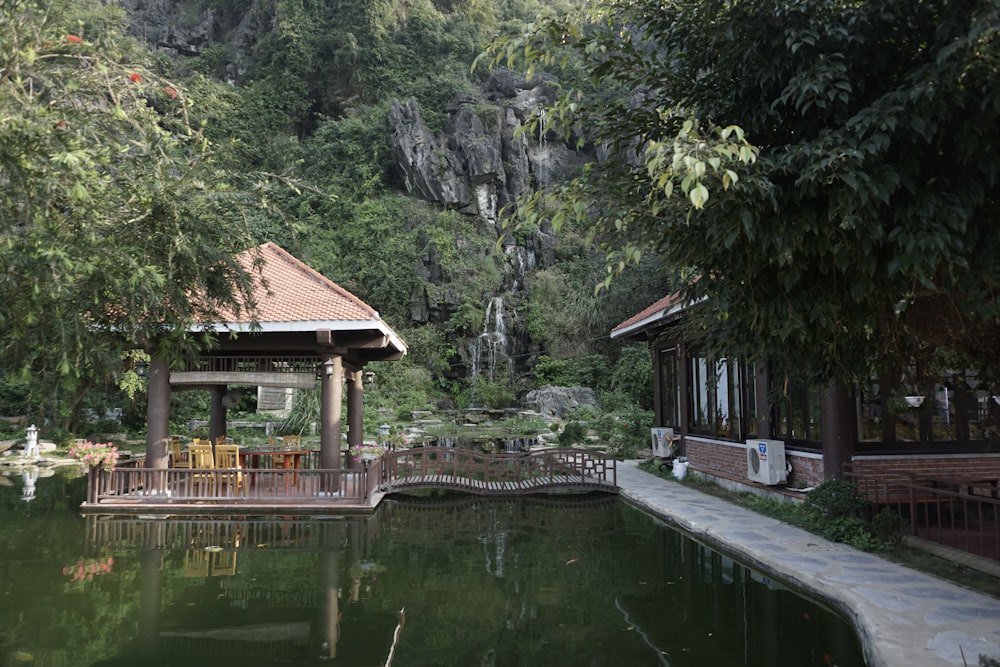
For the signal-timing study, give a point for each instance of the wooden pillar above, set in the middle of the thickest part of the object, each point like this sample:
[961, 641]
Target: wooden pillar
[762, 397]
[158, 414]
[329, 585]
[684, 379]
[659, 419]
[150, 600]
[840, 431]
[355, 413]
[331, 394]
[217, 414]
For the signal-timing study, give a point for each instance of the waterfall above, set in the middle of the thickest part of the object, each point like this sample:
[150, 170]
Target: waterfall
[492, 344]
[543, 148]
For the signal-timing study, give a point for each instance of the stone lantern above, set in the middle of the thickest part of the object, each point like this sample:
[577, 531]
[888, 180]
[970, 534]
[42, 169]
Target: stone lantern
[31, 441]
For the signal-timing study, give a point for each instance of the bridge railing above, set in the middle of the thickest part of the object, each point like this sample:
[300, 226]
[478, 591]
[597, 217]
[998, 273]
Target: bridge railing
[446, 467]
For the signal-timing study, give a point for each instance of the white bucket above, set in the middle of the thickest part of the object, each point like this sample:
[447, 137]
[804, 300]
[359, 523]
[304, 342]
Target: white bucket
[680, 468]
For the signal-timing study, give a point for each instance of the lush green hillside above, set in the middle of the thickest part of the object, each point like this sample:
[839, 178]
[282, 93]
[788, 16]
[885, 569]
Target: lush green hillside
[293, 99]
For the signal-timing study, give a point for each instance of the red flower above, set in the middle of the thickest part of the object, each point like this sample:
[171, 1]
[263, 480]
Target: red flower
[171, 92]
[73, 39]
[135, 77]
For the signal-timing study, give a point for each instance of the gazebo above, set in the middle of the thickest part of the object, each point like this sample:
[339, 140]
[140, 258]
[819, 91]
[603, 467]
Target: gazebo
[306, 329]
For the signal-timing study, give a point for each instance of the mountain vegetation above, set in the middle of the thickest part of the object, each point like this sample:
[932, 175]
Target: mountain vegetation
[172, 134]
[822, 172]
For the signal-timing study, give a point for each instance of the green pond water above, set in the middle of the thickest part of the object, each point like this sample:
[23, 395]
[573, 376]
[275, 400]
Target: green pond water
[444, 580]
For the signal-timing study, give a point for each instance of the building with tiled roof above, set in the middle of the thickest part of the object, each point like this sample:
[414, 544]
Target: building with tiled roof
[752, 421]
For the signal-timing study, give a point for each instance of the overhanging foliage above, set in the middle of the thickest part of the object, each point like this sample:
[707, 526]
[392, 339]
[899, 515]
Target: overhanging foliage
[112, 210]
[865, 237]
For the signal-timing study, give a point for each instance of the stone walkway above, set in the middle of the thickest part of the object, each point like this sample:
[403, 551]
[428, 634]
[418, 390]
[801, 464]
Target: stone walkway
[903, 617]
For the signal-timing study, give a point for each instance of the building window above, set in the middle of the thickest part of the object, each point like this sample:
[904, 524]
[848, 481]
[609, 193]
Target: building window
[955, 408]
[702, 381]
[670, 389]
[721, 396]
[797, 411]
[871, 412]
[749, 390]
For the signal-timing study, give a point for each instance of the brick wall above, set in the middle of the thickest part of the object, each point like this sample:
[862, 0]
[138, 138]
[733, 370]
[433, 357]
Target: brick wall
[729, 459]
[807, 469]
[937, 466]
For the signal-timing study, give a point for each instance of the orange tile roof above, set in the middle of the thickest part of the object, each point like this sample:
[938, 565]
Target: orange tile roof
[294, 292]
[292, 296]
[669, 304]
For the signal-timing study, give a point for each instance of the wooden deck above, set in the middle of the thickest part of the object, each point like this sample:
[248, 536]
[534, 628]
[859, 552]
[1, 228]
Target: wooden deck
[134, 489]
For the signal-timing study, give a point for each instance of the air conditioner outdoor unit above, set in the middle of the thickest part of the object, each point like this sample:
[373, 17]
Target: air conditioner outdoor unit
[663, 439]
[766, 461]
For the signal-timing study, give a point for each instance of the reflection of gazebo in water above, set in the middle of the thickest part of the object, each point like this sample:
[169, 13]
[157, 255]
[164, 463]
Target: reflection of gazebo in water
[306, 325]
[243, 619]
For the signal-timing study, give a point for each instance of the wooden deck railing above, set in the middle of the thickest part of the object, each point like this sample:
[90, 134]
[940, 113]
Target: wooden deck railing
[138, 486]
[959, 513]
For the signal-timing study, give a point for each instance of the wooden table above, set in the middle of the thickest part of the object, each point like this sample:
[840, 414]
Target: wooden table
[291, 459]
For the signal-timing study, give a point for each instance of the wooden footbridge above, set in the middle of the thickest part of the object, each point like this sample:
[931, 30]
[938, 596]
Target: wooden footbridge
[543, 471]
[309, 489]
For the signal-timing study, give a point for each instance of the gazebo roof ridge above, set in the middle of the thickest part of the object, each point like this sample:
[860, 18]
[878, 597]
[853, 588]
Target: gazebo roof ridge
[293, 297]
[310, 273]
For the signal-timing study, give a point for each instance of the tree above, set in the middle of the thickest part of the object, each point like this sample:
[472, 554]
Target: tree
[117, 228]
[864, 237]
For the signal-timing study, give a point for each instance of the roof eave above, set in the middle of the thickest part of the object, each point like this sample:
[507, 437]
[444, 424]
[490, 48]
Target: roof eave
[303, 326]
[659, 317]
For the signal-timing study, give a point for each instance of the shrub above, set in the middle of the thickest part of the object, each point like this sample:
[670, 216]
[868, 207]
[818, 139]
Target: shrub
[494, 394]
[836, 498]
[833, 509]
[624, 431]
[573, 433]
[889, 526]
[522, 425]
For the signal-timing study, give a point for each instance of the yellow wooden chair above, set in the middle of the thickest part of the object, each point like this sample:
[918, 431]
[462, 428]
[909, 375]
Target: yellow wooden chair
[196, 563]
[178, 456]
[224, 563]
[227, 458]
[288, 442]
[200, 458]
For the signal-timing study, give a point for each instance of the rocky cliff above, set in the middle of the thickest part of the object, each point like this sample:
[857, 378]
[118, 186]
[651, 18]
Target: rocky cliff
[188, 28]
[482, 159]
